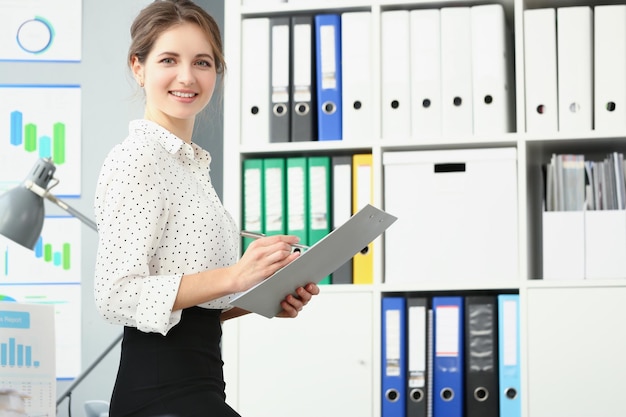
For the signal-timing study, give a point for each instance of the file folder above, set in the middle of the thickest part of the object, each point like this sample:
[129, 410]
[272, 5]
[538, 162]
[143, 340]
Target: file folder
[279, 79]
[356, 65]
[425, 73]
[491, 70]
[319, 200]
[574, 31]
[448, 377]
[456, 71]
[303, 122]
[509, 373]
[396, 76]
[362, 194]
[253, 206]
[255, 88]
[321, 259]
[274, 196]
[481, 356]
[417, 357]
[329, 76]
[540, 70]
[341, 207]
[393, 357]
[609, 67]
[297, 197]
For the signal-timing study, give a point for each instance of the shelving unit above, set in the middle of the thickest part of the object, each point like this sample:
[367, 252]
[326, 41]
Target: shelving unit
[573, 333]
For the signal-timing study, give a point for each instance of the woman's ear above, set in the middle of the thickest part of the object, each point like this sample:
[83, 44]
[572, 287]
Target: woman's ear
[137, 69]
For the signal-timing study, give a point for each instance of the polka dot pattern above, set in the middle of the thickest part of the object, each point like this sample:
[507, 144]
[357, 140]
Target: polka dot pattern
[158, 218]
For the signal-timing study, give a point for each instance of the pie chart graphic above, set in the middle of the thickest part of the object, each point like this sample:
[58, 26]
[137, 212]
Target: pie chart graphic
[6, 298]
[35, 35]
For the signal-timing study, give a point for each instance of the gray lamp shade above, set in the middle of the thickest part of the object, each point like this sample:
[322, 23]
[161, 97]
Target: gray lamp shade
[22, 211]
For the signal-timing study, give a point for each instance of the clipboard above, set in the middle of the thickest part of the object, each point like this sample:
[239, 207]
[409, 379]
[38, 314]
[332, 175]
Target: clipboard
[320, 260]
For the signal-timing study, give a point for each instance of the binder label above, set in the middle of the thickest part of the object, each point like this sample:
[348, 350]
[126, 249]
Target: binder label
[510, 333]
[447, 330]
[252, 179]
[328, 64]
[392, 340]
[319, 214]
[296, 197]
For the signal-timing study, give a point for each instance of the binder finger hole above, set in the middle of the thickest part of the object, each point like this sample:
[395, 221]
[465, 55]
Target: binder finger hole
[365, 250]
[302, 109]
[610, 106]
[395, 104]
[279, 109]
[447, 394]
[357, 105]
[574, 107]
[254, 110]
[488, 99]
[511, 393]
[416, 395]
[329, 108]
[426, 103]
[541, 109]
[481, 394]
[392, 395]
[457, 101]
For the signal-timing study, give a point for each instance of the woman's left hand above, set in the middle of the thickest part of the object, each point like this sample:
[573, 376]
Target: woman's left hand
[292, 305]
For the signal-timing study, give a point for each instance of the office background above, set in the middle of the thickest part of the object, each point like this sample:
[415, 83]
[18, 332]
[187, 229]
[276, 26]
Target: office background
[110, 99]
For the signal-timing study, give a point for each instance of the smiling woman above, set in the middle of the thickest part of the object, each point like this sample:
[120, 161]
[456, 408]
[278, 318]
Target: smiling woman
[168, 259]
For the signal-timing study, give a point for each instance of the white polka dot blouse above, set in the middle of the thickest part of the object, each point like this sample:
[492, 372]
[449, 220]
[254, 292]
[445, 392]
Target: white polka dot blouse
[158, 218]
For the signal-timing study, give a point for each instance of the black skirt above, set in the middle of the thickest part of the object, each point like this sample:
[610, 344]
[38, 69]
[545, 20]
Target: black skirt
[178, 375]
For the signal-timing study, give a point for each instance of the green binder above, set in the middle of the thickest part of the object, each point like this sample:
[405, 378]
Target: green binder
[298, 198]
[274, 191]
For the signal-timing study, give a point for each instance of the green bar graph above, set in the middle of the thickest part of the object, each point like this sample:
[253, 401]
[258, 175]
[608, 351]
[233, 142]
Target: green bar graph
[47, 252]
[58, 151]
[66, 256]
[30, 137]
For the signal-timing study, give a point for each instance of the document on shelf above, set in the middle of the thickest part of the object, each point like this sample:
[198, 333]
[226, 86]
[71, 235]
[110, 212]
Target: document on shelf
[320, 260]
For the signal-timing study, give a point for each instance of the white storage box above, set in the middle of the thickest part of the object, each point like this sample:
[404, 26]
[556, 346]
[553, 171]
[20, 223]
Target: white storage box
[457, 215]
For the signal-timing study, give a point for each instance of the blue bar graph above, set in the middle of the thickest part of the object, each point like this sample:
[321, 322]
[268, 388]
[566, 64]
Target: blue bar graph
[16, 128]
[14, 354]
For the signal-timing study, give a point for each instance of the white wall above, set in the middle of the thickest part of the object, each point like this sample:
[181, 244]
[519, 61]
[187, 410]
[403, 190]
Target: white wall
[109, 101]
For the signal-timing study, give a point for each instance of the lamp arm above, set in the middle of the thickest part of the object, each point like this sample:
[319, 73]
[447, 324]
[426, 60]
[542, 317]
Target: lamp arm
[43, 193]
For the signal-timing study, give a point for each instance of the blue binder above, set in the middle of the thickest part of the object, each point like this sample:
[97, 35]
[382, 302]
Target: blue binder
[328, 76]
[448, 365]
[393, 357]
[509, 355]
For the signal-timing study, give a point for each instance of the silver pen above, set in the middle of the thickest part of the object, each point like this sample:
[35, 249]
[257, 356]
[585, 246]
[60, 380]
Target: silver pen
[254, 235]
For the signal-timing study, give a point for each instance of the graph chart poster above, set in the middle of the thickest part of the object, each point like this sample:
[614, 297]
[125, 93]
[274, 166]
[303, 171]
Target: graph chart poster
[40, 121]
[56, 258]
[40, 30]
[67, 319]
[27, 354]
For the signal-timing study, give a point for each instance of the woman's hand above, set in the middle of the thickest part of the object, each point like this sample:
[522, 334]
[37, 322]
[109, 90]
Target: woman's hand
[263, 257]
[292, 305]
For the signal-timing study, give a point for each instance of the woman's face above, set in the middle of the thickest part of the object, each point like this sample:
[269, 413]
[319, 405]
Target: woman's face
[178, 75]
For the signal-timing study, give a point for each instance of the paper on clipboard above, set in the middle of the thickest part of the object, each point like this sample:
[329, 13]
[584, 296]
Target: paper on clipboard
[317, 262]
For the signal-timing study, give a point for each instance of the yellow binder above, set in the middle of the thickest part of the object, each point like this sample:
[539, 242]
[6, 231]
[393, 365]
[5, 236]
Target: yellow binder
[362, 194]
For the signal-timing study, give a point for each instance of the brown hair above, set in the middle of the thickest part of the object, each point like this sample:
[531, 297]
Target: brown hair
[161, 15]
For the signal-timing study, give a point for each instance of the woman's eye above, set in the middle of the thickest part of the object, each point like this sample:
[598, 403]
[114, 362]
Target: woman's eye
[204, 63]
[167, 61]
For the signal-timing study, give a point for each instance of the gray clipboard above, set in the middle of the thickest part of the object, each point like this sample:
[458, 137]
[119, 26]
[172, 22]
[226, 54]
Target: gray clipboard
[320, 260]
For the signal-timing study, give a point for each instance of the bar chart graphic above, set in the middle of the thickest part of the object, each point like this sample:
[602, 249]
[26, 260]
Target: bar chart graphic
[40, 121]
[13, 354]
[35, 30]
[56, 257]
[27, 354]
[65, 298]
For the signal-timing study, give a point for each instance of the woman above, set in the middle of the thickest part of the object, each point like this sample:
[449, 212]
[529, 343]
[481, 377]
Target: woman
[167, 262]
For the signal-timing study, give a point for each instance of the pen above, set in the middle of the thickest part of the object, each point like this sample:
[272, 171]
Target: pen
[254, 235]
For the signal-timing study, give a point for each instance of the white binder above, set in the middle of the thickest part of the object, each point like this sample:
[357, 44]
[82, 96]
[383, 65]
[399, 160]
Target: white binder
[540, 71]
[574, 31]
[491, 64]
[610, 68]
[456, 71]
[425, 73]
[255, 90]
[356, 64]
[396, 78]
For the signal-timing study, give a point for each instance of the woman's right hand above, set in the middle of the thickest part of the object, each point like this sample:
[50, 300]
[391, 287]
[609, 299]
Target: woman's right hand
[263, 257]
